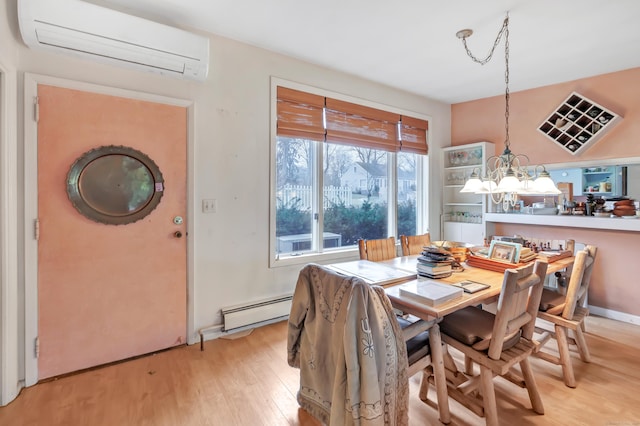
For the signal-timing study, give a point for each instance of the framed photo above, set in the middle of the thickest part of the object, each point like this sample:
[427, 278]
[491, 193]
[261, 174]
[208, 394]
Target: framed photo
[505, 251]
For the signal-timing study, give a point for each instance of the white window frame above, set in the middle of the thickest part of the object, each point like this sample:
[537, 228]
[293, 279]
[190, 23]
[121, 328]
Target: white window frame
[347, 253]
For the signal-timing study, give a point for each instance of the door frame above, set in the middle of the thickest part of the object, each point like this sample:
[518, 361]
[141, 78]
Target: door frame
[31, 82]
[10, 300]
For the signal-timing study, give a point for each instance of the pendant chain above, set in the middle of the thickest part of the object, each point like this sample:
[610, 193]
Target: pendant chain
[504, 30]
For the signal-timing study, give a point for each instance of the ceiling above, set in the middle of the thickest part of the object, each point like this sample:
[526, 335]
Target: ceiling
[412, 45]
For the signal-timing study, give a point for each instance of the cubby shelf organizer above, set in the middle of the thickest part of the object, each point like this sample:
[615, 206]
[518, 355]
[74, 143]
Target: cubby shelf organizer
[577, 123]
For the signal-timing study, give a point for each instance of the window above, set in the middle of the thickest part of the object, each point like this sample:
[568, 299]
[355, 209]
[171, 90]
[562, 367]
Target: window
[343, 171]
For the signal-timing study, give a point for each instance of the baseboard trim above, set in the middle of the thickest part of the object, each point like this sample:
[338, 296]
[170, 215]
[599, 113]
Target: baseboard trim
[216, 331]
[614, 315]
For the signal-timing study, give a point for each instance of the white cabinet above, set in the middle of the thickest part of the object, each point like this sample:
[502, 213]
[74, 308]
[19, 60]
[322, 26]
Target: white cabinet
[605, 181]
[464, 232]
[601, 181]
[463, 213]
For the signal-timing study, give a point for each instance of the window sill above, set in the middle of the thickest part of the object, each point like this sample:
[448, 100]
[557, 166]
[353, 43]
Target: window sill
[326, 257]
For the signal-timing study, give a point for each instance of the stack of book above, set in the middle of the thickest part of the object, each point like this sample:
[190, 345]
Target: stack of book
[527, 255]
[552, 256]
[430, 293]
[435, 262]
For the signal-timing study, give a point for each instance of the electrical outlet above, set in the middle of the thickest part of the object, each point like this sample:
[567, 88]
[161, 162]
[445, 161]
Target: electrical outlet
[209, 205]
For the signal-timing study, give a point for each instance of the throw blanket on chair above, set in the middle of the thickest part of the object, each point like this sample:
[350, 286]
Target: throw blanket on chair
[346, 341]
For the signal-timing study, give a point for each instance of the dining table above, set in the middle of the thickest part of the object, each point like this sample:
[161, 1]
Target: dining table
[435, 314]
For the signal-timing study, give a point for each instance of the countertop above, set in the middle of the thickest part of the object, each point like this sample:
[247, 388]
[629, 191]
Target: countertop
[588, 222]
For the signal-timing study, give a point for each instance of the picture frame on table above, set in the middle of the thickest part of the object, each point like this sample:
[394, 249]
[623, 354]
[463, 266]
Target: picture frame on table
[505, 251]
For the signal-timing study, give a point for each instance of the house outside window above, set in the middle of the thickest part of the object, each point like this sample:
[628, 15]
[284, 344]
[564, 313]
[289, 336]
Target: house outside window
[331, 188]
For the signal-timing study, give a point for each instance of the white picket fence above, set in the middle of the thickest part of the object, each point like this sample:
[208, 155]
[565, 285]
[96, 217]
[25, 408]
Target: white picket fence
[332, 195]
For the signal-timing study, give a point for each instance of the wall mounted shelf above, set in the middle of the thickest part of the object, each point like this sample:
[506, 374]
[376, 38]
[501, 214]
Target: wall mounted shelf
[577, 123]
[462, 218]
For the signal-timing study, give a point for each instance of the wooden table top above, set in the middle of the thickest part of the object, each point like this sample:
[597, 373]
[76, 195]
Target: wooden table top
[394, 272]
[492, 278]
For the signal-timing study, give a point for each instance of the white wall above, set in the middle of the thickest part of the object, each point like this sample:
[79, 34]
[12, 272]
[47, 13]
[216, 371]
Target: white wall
[231, 151]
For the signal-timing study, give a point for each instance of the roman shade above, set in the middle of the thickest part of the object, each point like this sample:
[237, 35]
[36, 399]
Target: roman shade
[354, 124]
[413, 135]
[300, 114]
[314, 117]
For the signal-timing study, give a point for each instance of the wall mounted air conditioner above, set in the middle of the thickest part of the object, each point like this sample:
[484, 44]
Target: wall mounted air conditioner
[93, 32]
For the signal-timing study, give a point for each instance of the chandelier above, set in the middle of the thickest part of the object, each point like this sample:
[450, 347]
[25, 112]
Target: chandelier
[508, 175]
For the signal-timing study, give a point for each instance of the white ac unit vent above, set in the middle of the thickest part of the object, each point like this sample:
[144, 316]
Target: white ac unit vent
[90, 31]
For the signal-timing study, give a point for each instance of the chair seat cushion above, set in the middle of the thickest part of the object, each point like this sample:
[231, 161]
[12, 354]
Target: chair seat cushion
[550, 299]
[471, 325]
[418, 346]
[468, 325]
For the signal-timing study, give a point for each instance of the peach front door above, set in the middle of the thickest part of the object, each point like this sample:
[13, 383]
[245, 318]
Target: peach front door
[108, 292]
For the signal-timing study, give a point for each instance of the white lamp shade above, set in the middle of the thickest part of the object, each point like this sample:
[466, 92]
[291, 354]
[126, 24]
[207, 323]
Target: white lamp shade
[545, 185]
[472, 185]
[527, 187]
[509, 183]
[488, 186]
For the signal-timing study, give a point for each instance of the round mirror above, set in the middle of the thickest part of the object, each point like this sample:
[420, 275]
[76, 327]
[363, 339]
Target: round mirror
[114, 185]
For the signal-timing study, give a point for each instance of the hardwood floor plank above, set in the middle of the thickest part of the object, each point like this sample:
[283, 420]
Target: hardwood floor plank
[247, 381]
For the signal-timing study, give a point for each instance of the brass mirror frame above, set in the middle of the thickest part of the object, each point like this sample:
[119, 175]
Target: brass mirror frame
[74, 184]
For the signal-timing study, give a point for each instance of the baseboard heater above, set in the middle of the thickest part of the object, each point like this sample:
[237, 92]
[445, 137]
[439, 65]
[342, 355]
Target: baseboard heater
[253, 313]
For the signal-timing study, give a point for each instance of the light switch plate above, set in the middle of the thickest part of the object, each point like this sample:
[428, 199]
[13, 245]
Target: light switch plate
[209, 205]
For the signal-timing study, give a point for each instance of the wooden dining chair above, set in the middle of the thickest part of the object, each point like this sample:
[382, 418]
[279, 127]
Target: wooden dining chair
[377, 250]
[567, 313]
[414, 244]
[351, 347]
[496, 342]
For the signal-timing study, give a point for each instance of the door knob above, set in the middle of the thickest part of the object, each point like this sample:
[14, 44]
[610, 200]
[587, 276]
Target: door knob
[177, 234]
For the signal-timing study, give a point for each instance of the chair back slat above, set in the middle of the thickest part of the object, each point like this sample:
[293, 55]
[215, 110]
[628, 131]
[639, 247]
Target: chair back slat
[377, 250]
[579, 280]
[517, 305]
[567, 315]
[414, 244]
[517, 323]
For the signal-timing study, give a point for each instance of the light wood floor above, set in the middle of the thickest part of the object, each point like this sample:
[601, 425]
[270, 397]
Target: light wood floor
[248, 382]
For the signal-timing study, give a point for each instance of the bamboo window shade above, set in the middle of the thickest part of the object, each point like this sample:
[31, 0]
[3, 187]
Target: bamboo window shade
[305, 115]
[300, 114]
[359, 125]
[413, 135]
